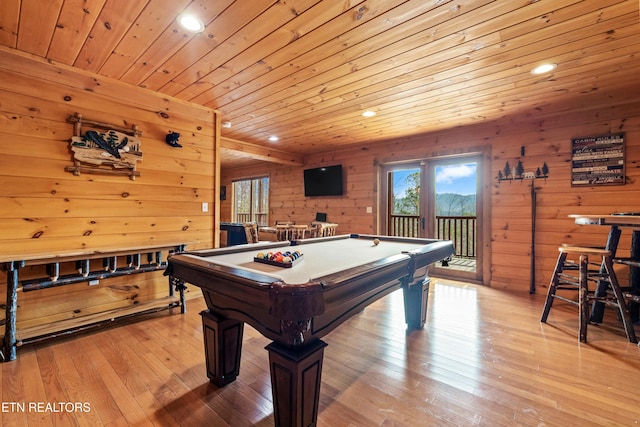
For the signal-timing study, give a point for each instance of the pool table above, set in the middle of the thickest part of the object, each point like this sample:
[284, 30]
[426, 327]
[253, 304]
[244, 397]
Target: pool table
[335, 278]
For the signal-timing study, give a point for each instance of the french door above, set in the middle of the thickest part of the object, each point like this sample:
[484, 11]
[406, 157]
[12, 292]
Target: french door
[438, 198]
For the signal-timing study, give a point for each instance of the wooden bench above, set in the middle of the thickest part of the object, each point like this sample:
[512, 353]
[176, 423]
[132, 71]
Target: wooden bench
[138, 260]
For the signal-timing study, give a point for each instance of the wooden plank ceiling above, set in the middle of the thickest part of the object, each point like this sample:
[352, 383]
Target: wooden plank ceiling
[305, 70]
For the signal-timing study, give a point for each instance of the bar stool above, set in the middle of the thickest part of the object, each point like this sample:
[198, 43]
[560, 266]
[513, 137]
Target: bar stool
[563, 279]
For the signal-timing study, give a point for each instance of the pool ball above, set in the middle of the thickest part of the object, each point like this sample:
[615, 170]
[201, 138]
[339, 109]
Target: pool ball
[376, 241]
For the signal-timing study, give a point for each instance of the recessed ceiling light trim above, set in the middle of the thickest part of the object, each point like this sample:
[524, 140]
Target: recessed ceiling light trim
[273, 138]
[191, 23]
[368, 113]
[544, 68]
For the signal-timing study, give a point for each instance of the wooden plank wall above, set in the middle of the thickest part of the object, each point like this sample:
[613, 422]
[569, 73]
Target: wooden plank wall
[545, 139]
[47, 211]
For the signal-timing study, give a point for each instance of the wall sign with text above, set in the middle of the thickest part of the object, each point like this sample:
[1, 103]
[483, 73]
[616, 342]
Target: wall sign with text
[597, 160]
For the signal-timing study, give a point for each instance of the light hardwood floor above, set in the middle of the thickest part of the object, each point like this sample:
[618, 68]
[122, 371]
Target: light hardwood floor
[482, 359]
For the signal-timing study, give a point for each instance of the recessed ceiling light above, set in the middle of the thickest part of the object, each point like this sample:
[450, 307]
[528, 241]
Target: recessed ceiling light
[226, 125]
[191, 23]
[273, 138]
[544, 68]
[368, 113]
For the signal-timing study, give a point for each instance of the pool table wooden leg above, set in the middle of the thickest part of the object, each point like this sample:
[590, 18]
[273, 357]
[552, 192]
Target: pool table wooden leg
[416, 297]
[222, 347]
[295, 383]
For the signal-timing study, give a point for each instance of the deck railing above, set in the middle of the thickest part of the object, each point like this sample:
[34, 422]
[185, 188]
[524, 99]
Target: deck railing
[404, 225]
[459, 229]
[260, 218]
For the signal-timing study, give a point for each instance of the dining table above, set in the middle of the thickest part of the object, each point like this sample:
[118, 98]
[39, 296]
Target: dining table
[617, 222]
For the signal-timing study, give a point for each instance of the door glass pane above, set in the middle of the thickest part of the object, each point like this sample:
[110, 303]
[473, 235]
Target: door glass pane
[455, 211]
[242, 201]
[260, 200]
[404, 197]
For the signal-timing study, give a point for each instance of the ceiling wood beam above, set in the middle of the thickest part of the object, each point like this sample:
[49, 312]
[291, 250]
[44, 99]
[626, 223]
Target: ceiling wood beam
[261, 153]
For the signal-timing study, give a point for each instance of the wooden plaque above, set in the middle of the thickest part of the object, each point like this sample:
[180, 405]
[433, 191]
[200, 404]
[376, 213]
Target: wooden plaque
[598, 160]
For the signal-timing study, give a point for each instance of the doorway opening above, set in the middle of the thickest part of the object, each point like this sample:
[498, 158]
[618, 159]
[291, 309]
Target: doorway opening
[439, 199]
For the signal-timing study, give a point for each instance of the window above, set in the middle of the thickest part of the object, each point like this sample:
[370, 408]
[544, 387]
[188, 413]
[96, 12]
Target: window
[251, 200]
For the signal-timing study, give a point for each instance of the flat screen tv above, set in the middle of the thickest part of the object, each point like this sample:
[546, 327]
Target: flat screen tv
[324, 181]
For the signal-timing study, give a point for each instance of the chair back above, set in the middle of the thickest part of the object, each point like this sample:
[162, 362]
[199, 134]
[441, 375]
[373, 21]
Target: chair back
[251, 231]
[283, 232]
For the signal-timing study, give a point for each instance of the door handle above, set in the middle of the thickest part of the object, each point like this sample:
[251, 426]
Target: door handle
[422, 223]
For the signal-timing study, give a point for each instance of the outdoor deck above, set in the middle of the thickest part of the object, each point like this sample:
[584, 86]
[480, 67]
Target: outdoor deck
[463, 263]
